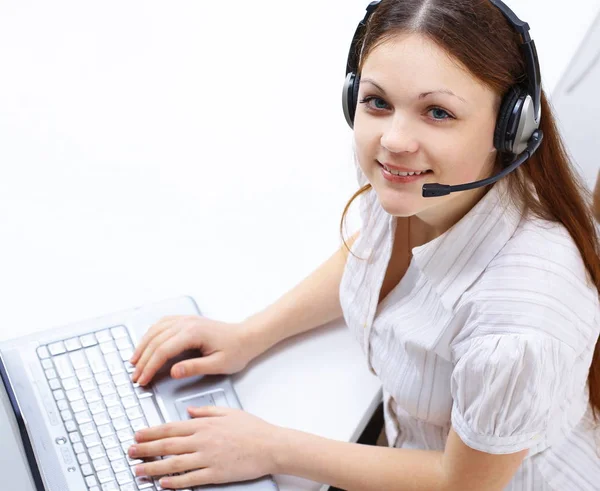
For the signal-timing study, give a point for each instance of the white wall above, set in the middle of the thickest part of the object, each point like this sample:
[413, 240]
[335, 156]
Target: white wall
[150, 149]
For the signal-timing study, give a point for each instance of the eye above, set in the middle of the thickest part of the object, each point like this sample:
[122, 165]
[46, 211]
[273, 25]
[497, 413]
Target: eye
[440, 115]
[379, 103]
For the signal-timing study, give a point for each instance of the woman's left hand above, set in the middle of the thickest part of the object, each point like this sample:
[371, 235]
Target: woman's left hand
[218, 445]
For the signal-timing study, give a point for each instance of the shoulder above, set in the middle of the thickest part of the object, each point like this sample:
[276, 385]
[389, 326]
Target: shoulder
[537, 284]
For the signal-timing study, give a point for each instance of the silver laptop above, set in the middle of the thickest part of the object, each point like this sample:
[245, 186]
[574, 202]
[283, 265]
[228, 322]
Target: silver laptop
[68, 408]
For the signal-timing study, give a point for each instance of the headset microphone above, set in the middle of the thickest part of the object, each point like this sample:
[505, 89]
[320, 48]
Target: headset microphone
[434, 190]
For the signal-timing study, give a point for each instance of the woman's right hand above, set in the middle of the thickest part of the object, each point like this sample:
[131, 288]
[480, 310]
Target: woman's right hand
[224, 348]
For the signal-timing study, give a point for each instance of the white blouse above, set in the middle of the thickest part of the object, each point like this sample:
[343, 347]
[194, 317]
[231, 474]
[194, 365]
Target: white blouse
[491, 332]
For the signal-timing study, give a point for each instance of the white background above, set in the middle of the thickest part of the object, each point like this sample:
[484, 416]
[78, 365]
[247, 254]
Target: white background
[150, 149]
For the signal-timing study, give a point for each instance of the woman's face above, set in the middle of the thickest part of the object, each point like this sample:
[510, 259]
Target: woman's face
[419, 111]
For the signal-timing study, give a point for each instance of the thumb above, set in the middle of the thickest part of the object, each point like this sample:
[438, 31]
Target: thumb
[205, 365]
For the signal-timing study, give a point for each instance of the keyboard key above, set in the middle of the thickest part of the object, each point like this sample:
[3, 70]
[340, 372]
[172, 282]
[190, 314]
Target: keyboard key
[114, 454]
[78, 360]
[50, 374]
[91, 480]
[70, 425]
[93, 396]
[119, 465]
[87, 429]
[121, 379]
[86, 470]
[151, 412]
[108, 347]
[130, 487]
[96, 488]
[123, 344]
[74, 395]
[63, 405]
[74, 437]
[59, 395]
[129, 368]
[107, 389]
[126, 355]
[119, 332]
[134, 412]
[88, 384]
[142, 392]
[43, 353]
[110, 442]
[95, 358]
[125, 435]
[66, 415]
[129, 401]
[78, 448]
[120, 423]
[54, 384]
[78, 406]
[96, 452]
[91, 440]
[47, 364]
[124, 477]
[105, 430]
[100, 464]
[82, 458]
[101, 418]
[125, 390]
[110, 486]
[96, 407]
[70, 383]
[138, 424]
[88, 340]
[83, 417]
[144, 482]
[105, 476]
[115, 412]
[112, 400]
[72, 344]
[103, 336]
[84, 373]
[56, 348]
[103, 378]
[63, 366]
[114, 363]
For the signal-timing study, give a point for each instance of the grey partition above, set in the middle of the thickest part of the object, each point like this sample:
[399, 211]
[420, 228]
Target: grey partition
[577, 104]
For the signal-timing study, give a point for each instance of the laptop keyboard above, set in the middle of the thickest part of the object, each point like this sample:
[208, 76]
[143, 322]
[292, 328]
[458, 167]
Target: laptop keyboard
[90, 378]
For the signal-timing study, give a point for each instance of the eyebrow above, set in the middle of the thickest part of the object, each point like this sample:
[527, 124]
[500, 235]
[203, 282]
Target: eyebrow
[421, 96]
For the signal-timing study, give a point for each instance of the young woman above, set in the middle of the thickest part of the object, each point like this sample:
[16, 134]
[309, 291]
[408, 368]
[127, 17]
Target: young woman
[478, 310]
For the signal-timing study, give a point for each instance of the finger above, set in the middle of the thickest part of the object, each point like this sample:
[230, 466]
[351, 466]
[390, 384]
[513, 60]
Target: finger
[158, 448]
[205, 365]
[149, 352]
[150, 334]
[167, 430]
[190, 479]
[170, 465]
[208, 411]
[161, 350]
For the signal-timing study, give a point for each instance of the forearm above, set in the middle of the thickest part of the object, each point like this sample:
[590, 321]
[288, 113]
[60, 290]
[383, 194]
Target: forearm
[312, 303]
[356, 467]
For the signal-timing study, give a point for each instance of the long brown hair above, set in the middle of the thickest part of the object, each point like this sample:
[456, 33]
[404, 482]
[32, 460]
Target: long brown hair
[477, 34]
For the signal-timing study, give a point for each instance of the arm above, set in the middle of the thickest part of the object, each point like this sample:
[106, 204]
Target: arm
[356, 467]
[312, 303]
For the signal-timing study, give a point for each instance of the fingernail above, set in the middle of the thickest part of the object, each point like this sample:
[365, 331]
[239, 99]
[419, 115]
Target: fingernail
[179, 371]
[132, 450]
[139, 470]
[165, 482]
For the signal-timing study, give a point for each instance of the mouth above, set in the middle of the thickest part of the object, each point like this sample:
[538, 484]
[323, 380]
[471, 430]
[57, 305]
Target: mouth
[407, 173]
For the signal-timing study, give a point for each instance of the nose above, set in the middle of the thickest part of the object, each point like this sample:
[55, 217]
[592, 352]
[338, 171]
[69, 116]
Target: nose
[398, 136]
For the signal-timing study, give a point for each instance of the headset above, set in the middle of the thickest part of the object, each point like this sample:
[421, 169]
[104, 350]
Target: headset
[517, 130]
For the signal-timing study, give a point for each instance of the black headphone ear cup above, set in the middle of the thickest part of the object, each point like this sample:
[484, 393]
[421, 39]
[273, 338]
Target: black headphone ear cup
[349, 98]
[510, 100]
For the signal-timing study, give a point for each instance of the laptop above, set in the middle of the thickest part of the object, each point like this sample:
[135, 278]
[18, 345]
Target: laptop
[68, 408]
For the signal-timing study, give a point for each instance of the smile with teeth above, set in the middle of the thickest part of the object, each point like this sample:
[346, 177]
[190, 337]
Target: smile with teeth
[397, 173]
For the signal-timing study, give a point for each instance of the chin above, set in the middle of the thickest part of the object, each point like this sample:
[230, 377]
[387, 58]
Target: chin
[399, 206]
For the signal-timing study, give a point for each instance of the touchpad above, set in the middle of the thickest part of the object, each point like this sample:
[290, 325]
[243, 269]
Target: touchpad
[214, 398]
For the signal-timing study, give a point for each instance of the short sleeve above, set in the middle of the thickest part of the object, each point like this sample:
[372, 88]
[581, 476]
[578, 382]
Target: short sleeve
[508, 390]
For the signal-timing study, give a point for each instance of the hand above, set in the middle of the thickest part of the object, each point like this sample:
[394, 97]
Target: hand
[225, 348]
[219, 445]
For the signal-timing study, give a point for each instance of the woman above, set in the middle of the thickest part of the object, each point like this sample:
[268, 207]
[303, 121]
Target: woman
[478, 310]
